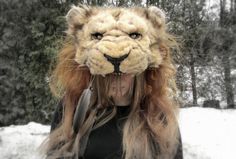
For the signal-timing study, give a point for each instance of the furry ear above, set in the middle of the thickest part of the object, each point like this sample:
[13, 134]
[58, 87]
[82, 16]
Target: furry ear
[156, 15]
[77, 17]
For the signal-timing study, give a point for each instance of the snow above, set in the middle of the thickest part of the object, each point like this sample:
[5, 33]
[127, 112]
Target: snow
[207, 133]
[21, 142]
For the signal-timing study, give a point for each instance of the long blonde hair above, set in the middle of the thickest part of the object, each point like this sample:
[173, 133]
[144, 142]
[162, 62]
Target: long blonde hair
[151, 129]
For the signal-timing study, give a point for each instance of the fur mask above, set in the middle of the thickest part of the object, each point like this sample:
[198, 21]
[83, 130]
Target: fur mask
[118, 40]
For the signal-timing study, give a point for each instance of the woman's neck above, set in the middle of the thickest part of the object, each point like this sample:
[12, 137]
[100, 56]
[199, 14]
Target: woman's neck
[122, 101]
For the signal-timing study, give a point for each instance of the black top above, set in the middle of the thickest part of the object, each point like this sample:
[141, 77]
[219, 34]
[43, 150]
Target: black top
[105, 142]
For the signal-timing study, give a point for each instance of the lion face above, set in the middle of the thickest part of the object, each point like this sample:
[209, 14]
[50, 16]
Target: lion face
[117, 40]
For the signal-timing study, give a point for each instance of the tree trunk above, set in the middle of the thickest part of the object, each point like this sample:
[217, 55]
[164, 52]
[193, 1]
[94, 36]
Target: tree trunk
[227, 80]
[231, 6]
[222, 13]
[235, 5]
[226, 59]
[193, 79]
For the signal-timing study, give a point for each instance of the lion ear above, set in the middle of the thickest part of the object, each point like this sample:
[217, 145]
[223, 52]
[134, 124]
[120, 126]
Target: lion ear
[156, 15]
[77, 17]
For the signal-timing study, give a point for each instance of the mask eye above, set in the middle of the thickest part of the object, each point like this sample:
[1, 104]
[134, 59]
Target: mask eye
[135, 35]
[96, 36]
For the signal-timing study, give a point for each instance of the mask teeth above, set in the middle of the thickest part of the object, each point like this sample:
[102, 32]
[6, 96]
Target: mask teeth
[119, 74]
[151, 68]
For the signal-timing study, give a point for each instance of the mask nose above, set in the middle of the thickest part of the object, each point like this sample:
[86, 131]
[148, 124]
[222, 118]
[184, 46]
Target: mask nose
[116, 61]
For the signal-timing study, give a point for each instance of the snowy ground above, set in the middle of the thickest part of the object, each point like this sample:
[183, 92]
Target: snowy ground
[206, 133]
[21, 142]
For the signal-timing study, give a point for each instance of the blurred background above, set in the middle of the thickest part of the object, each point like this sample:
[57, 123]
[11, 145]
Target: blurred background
[32, 32]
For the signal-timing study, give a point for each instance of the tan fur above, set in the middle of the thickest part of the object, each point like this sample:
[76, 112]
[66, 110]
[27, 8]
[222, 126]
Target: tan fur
[116, 24]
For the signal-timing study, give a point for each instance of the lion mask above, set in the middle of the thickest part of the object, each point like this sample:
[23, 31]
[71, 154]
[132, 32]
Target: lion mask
[117, 40]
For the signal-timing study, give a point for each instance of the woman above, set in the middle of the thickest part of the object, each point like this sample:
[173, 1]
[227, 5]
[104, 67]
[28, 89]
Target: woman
[124, 110]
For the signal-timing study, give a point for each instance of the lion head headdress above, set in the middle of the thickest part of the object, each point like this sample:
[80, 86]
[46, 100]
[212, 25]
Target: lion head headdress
[105, 41]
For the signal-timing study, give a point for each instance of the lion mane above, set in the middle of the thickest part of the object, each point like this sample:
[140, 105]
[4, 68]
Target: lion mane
[95, 36]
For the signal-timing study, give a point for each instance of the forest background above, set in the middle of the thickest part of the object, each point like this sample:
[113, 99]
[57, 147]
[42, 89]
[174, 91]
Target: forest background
[32, 33]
